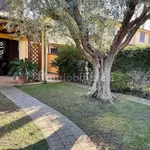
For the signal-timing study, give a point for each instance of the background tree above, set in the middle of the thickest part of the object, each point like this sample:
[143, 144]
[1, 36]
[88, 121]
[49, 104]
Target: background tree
[91, 24]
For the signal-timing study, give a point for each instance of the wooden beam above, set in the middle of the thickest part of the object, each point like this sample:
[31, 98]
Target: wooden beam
[1, 28]
[11, 37]
[8, 36]
[3, 20]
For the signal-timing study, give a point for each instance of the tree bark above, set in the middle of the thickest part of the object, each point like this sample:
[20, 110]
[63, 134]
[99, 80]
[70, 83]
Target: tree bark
[101, 84]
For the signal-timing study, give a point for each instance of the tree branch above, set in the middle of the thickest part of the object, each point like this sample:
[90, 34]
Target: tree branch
[88, 57]
[145, 11]
[124, 28]
[133, 31]
[84, 33]
[79, 35]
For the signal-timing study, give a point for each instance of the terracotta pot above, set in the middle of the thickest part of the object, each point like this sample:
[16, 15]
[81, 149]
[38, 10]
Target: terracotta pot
[22, 80]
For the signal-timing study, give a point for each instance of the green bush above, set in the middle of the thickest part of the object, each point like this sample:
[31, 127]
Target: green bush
[133, 58]
[131, 71]
[23, 68]
[120, 81]
[127, 83]
[70, 62]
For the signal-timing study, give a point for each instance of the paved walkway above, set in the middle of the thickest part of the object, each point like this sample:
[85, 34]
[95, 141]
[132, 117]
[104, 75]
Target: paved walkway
[133, 98]
[60, 132]
[119, 95]
[7, 80]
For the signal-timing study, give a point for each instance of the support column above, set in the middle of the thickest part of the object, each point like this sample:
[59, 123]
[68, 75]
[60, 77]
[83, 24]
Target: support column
[44, 64]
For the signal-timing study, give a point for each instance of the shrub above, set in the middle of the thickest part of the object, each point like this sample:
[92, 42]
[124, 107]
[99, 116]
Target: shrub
[120, 81]
[139, 79]
[23, 68]
[131, 71]
[71, 63]
[133, 58]
[134, 83]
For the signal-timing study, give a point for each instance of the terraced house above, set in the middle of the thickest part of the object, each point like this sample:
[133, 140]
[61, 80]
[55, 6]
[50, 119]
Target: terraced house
[41, 53]
[14, 46]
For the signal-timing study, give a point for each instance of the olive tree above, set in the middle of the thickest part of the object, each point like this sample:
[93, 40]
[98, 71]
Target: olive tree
[92, 26]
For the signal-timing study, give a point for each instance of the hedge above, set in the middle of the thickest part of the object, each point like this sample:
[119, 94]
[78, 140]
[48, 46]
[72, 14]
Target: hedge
[133, 58]
[131, 71]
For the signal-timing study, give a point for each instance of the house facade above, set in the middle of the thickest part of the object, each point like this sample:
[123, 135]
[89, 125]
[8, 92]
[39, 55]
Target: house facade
[12, 46]
[40, 53]
[142, 37]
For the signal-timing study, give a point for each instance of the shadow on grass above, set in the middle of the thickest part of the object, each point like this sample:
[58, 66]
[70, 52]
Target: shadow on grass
[14, 125]
[56, 136]
[8, 128]
[40, 111]
[40, 145]
[37, 146]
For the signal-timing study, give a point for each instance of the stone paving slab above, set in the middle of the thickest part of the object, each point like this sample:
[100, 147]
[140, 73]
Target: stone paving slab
[59, 131]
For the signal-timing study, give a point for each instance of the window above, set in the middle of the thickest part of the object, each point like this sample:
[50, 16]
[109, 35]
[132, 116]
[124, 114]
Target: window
[142, 37]
[53, 50]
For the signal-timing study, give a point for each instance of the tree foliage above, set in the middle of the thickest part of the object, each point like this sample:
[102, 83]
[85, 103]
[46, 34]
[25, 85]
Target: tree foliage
[92, 26]
[85, 21]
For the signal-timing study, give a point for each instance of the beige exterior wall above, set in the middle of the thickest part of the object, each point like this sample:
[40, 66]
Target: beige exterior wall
[52, 40]
[136, 38]
[23, 49]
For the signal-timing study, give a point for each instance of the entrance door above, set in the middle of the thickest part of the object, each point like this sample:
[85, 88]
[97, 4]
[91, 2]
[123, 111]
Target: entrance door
[8, 52]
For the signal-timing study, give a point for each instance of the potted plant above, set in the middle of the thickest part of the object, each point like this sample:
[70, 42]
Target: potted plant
[23, 69]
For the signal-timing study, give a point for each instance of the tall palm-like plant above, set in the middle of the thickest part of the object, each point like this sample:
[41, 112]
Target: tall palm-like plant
[22, 68]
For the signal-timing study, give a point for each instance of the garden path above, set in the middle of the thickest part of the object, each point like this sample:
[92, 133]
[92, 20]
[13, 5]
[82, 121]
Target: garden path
[59, 131]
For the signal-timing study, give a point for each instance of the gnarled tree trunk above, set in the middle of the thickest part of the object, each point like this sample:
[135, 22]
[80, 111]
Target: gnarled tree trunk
[101, 83]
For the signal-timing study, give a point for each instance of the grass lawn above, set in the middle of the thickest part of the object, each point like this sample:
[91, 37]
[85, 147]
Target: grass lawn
[17, 130]
[123, 126]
